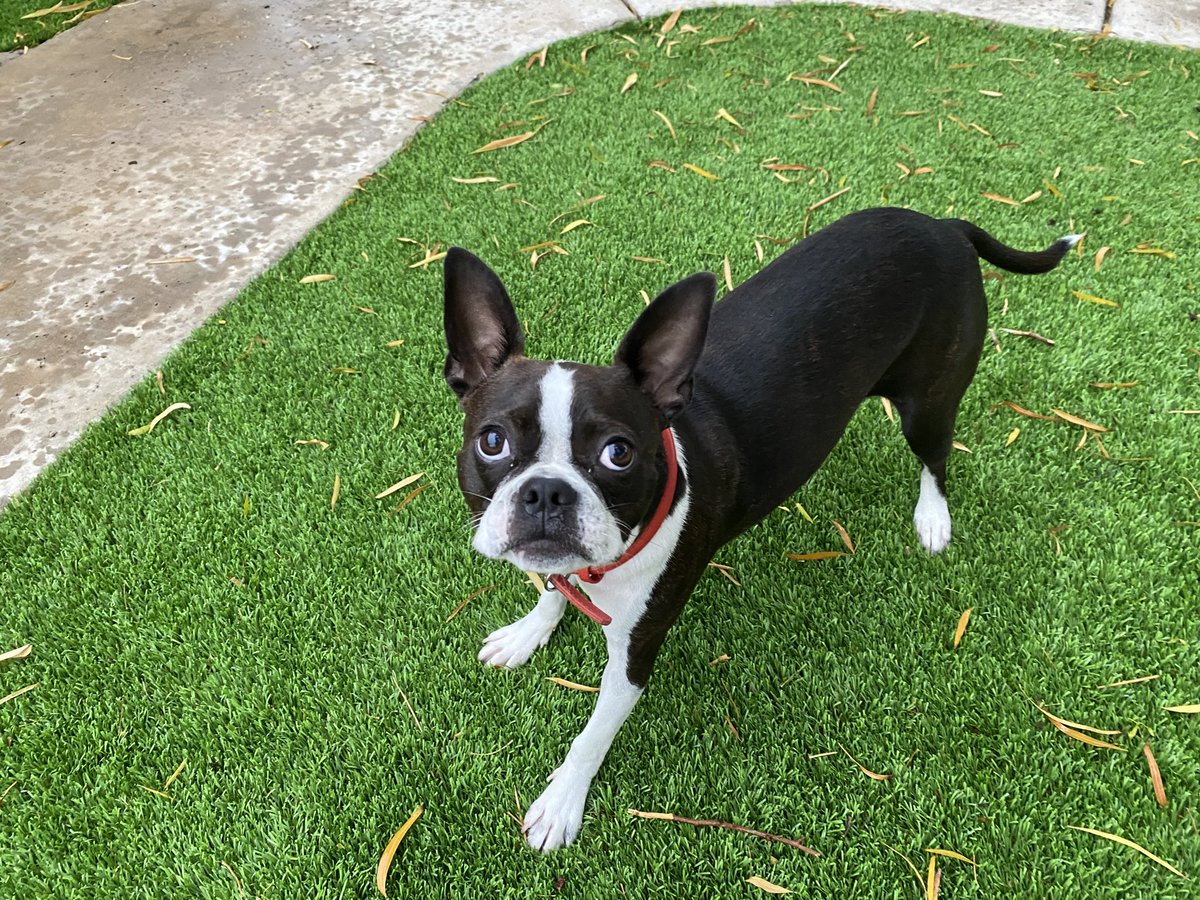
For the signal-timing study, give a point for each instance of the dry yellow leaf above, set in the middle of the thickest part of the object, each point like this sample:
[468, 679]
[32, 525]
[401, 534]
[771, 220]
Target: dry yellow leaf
[1075, 420]
[146, 429]
[843, 534]
[670, 127]
[630, 81]
[887, 409]
[1092, 298]
[18, 653]
[402, 483]
[728, 274]
[816, 82]
[699, 171]
[501, 143]
[317, 279]
[483, 179]
[385, 861]
[820, 554]
[571, 226]
[1160, 791]
[58, 9]
[1000, 198]
[1100, 254]
[1190, 708]
[961, 628]
[572, 685]
[959, 445]
[17, 693]
[1012, 436]
[1128, 843]
[178, 771]
[722, 113]
[670, 21]
[874, 776]
[337, 490]
[951, 854]
[763, 885]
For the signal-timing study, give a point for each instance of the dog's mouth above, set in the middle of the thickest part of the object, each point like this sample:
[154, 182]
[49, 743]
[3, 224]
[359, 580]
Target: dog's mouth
[548, 556]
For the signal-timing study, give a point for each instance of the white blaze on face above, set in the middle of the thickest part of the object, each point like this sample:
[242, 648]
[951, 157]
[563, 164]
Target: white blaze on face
[554, 417]
[596, 528]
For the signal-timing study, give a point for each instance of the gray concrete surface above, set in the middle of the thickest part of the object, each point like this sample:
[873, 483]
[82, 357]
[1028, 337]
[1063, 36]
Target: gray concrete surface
[220, 132]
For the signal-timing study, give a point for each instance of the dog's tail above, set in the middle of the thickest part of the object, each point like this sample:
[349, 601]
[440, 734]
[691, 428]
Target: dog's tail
[1020, 261]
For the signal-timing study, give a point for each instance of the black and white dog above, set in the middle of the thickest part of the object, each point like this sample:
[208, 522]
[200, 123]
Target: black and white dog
[637, 472]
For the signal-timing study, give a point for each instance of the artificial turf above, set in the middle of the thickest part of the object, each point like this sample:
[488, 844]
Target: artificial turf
[193, 595]
[17, 32]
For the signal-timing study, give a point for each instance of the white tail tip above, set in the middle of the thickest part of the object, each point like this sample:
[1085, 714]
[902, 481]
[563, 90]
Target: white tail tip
[1071, 239]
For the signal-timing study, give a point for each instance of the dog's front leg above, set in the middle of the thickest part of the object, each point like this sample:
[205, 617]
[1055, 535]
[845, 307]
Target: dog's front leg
[554, 818]
[512, 645]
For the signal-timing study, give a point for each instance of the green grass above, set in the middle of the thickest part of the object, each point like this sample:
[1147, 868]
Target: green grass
[17, 32]
[191, 595]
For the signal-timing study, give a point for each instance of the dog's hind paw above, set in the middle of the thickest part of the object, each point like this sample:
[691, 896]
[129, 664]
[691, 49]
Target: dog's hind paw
[512, 645]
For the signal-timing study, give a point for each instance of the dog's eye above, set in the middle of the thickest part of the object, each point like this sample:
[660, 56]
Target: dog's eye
[492, 445]
[617, 455]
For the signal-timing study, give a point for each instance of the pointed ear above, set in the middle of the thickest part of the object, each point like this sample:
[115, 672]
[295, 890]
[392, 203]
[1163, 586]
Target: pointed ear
[482, 330]
[662, 347]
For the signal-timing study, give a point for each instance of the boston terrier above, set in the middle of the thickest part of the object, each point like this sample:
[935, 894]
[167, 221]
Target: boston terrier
[624, 480]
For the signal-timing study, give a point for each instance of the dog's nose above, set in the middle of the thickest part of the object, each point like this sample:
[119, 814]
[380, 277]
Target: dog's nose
[547, 496]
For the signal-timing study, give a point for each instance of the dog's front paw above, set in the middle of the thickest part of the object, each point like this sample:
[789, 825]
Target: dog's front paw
[512, 645]
[554, 818]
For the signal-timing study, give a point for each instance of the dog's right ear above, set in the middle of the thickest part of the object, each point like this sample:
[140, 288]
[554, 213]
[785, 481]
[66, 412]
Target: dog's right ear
[482, 330]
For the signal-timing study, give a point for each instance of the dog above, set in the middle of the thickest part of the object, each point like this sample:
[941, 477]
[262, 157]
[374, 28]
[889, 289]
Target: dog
[627, 478]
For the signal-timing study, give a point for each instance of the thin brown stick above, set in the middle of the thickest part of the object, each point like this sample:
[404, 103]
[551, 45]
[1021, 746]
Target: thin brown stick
[729, 826]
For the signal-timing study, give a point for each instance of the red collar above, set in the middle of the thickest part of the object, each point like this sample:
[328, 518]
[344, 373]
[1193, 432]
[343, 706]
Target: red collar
[592, 574]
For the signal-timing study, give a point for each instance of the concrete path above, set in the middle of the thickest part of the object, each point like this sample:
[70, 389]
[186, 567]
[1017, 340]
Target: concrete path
[162, 154]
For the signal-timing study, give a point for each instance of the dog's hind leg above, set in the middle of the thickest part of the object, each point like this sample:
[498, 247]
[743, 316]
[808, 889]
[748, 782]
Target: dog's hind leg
[930, 435]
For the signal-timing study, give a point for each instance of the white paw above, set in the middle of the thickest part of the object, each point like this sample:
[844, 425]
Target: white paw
[933, 526]
[512, 645]
[932, 515]
[554, 818]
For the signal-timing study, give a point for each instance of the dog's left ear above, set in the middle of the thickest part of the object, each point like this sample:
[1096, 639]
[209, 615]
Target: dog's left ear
[482, 330]
[662, 347]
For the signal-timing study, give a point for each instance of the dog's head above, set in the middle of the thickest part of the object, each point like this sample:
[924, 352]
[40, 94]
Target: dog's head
[560, 461]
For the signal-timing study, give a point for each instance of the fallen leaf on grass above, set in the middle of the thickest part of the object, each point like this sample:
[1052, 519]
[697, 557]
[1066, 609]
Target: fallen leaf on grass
[510, 141]
[322, 444]
[408, 498]
[1076, 731]
[699, 171]
[1153, 251]
[156, 793]
[17, 693]
[1100, 254]
[723, 114]
[18, 653]
[471, 596]
[571, 226]
[629, 82]
[1029, 334]
[843, 534]
[871, 102]
[874, 776]
[146, 429]
[815, 82]
[961, 628]
[178, 771]
[572, 685]
[1092, 298]
[1112, 384]
[337, 490]
[959, 445]
[429, 258]
[1012, 436]
[1188, 709]
[385, 861]
[58, 8]
[670, 21]
[402, 483]
[1022, 411]
[1139, 680]
[1000, 198]
[763, 885]
[316, 279]
[1075, 420]
[825, 200]
[1128, 843]
[820, 554]
[951, 854]
[1160, 792]
[483, 179]
[670, 127]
